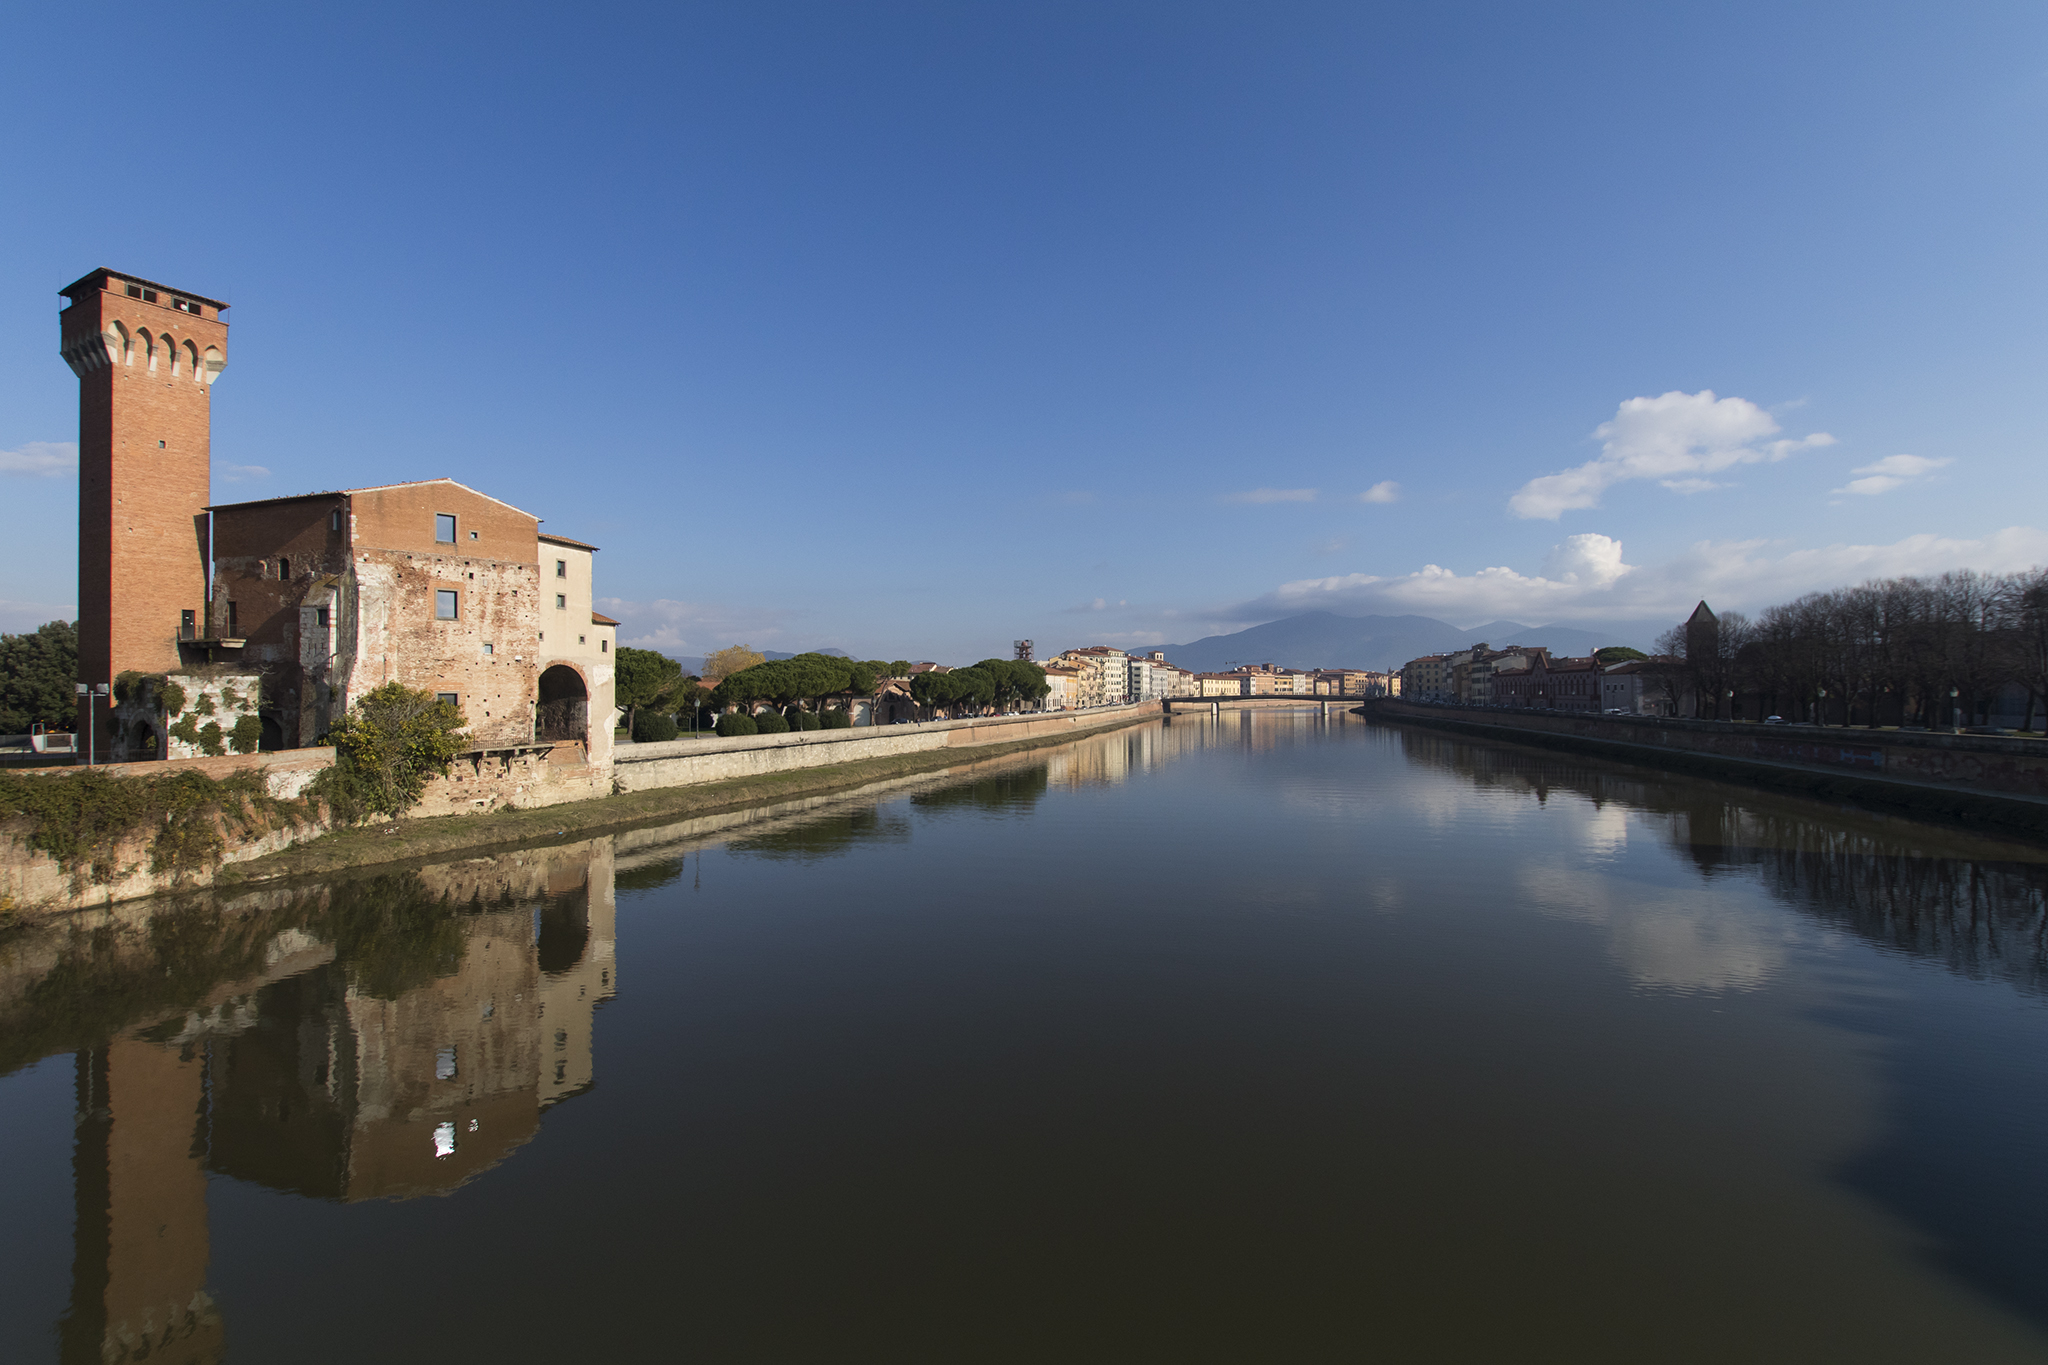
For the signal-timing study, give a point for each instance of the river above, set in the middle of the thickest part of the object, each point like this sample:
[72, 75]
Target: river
[1261, 1038]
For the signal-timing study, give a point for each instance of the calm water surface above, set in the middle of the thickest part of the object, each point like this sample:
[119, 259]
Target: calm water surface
[1267, 1039]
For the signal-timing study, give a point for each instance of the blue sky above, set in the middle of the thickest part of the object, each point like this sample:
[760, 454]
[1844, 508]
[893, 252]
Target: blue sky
[912, 329]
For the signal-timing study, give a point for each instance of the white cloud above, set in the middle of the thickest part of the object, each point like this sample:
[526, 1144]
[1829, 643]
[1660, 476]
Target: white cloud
[1674, 438]
[1265, 495]
[1099, 604]
[693, 627]
[41, 459]
[1386, 490]
[1889, 473]
[243, 473]
[1586, 579]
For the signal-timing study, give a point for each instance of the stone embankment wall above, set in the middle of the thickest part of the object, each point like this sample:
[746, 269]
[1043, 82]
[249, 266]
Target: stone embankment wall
[1983, 777]
[32, 879]
[684, 762]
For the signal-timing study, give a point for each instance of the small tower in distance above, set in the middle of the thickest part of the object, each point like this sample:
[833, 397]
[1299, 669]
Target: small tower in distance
[146, 357]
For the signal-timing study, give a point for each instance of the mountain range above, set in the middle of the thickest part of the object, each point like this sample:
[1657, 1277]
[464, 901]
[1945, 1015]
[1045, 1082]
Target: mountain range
[1322, 639]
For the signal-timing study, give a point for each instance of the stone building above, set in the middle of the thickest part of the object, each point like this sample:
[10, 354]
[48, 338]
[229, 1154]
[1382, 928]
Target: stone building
[290, 608]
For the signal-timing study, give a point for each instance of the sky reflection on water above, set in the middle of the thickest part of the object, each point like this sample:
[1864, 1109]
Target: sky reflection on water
[1267, 1038]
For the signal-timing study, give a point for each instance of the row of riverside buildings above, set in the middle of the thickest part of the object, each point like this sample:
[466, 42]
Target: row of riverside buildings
[271, 617]
[1531, 676]
[1101, 676]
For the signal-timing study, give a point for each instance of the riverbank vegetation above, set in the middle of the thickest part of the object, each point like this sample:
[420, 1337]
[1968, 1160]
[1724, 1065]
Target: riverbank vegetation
[1889, 651]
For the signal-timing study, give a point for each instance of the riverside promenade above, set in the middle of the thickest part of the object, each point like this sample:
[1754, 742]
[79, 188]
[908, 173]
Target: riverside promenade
[1976, 779]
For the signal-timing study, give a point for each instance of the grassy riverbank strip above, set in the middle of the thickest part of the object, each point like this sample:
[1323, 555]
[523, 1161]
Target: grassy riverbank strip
[414, 840]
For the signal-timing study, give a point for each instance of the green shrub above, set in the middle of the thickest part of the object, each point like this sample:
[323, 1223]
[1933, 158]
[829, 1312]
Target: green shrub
[231, 699]
[808, 720]
[173, 698]
[204, 706]
[210, 737]
[186, 730]
[651, 727]
[389, 744]
[838, 718]
[768, 723]
[733, 723]
[247, 736]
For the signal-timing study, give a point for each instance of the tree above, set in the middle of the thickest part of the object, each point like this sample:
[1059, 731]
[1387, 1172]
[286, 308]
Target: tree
[733, 659]
[1618, 654]
[644, 677]
[389, 744]
[37, 671]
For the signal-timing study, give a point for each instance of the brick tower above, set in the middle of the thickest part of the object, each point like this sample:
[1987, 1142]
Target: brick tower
[146, 357]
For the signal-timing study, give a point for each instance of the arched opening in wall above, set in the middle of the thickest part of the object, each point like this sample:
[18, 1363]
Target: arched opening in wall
[272, 737]
[561, 931]
[145, 343]
[191, 360]
[117, 344]
[142, 740]
[564, 710]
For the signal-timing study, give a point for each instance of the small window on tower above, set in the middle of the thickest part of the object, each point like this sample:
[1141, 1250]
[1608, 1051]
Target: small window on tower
[284, 569]
[490, 648]
[561, 602]
[444, 604]
[561, 568]
[233, 634]
[444, 528]
[604, 646]
[325, 619]
[448, 697]
[185, 305]
[334, 520]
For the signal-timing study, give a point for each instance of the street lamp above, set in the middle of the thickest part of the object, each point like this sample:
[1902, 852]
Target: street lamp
[92, 722]
[1955, 710]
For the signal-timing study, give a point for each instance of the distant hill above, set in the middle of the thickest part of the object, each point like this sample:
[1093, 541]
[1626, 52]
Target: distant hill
[1322, 639]
[693, 664]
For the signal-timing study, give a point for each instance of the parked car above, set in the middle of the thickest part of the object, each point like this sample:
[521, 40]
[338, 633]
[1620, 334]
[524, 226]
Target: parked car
[1774, 720]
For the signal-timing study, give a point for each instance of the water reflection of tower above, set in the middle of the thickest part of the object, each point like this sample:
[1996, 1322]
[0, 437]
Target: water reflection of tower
[138, 1279]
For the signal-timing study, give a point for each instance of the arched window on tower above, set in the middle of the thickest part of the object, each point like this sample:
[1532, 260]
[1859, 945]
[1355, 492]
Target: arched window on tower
[118, 352]
[145, 343]
[192, 360]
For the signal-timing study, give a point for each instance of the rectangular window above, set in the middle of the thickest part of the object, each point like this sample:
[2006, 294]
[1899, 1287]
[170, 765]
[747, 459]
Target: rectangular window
[325, 622]
[444, 604]
[136, 291]
[561, 568]
[604, 646]
[444, 529]
[184, 305]
[187, 625]
[334, 520]
[561, 602]
[448, 697]
[232, 633]
[284, 569]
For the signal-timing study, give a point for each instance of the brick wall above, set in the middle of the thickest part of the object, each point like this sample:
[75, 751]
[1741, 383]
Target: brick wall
[145, 369]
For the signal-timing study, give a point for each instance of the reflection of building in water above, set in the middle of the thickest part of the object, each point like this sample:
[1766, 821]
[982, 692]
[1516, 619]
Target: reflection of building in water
[345, 1091]
[139, 1275]
[421, 1054]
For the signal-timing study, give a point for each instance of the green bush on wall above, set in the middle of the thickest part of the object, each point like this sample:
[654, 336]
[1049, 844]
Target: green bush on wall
[768, 723]
[247, 736]
[733, 723]
[808, 720]
[838, 718]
